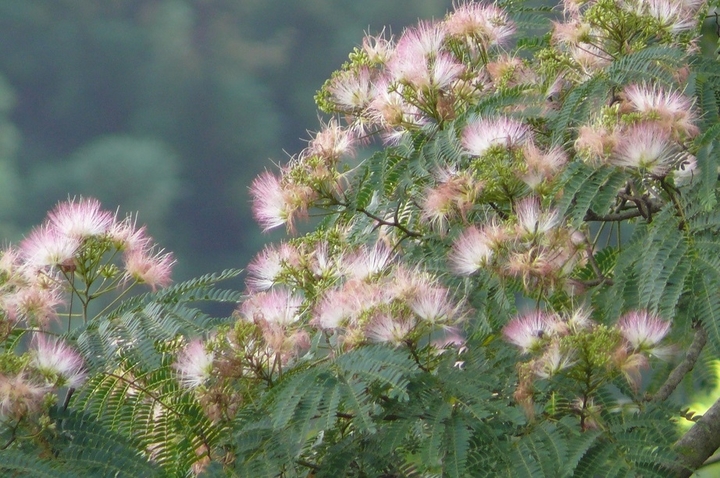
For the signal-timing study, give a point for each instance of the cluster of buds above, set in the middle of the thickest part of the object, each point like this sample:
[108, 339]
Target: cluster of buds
[80, 250]
[575, 347]
[645, 132]
[532, 245]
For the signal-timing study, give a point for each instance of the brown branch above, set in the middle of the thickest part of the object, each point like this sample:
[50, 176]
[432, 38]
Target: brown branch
[652, 207]
[699, 443]
[683, 367]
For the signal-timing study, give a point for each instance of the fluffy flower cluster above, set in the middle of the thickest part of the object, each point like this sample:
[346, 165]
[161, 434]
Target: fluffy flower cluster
[578, 347]
[360, 295]
[532, 245]
[647, 135]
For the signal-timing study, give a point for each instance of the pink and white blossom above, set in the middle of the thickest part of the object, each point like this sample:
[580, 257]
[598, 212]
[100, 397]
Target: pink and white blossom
[47, 247]
[80, 219]
[647, 147]
[384, 328]
[277, 306]
[532, 220]
[265, 269]
[194, 364]
[642, 329]
[480, 22]
[271, 207]
[149, 266]
[482, 134]
[58, 363]
[473, 250]
[527, 331]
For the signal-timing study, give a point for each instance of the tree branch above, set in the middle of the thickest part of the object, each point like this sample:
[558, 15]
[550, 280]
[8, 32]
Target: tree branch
[652, 207]
[683, 367]
[699, 443]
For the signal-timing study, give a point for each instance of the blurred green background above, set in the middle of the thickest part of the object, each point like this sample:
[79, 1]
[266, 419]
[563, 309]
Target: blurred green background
[168, 107]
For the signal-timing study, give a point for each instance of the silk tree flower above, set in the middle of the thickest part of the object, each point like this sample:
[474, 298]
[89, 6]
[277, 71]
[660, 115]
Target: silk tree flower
[674, 16]
[445, 71]
[553, 360]
[58, 363]
[277, 306]
[352, 90]
[671, 109]
[532, 220]
[368, 261]
[271, 207]
[20, 395]
[377, 48]
[384, 328]
[47, 247]
[342, 307]
[485, 133]
[643, 330]
[35, 303]
[487, 24]
[541, 166]
[126, 236]
[646, 147]
[473, 250]
[434, 305]
[265, 269]
[455, 193]
[149, 266]
[528, 331]
[80, 219]
[194, 364]
[332, 142]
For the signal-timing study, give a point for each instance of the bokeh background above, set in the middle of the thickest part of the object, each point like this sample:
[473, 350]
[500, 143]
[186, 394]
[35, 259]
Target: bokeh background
[168, 107]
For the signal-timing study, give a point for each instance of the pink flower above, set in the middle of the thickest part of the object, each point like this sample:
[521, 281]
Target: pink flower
[352, 90]
[46, 247]
[342, 307]
[35, 303]
[647, 147]
[20, 396]
[266, 267]
[541, 166]
[384, 328]
[532, 220]
[481, 135]
[195, 364]
[378, 49]
[81, 219]
[368, 262]
[486, 23]
[126, 236]
[528, 330]
[277, 306]
[673, 110]
[147, 266]
[434, 305]
[270, 205]
[445, 70]
[332, 142]
[555, 359]
[58, 363]
[642, 329]
[473, 250]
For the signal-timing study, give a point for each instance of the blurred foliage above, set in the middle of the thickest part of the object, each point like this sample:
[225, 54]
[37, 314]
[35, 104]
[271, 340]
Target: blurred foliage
[169, 107]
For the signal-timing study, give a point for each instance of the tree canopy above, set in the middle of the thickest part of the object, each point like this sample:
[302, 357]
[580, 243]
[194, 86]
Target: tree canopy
[511, 269]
